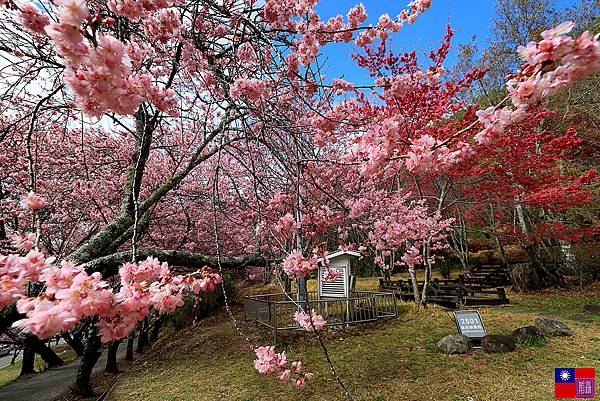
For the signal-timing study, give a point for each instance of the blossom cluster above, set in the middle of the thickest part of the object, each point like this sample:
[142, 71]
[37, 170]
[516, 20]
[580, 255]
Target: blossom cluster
[70, 293]
[312, 322]
[23, 242]
[330, 274]
[428, 154]
[495, 121]
[16, 271]
[136, 9]
[249, 88]
[295, 265]
[554, 64]
[285, 224]
[386, 24]
[411, 257]
[32, 18]
[268, 361]
[100, 74]
[314, 33]
[33, 201]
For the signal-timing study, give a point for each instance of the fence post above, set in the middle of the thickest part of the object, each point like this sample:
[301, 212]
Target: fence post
[274, 323]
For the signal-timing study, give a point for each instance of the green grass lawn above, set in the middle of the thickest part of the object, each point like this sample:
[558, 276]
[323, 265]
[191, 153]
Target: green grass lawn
[387, 361]
[11, 372]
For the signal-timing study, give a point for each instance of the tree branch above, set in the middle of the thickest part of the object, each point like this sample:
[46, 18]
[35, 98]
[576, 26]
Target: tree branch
[109, 265]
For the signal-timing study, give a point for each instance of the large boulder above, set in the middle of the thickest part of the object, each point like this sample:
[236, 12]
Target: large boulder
[527, 333]
[524, 277]
[553, 328]
[454, 344]
[497, 343]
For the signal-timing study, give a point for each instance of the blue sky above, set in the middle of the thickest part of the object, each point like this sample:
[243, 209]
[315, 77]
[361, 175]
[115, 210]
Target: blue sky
[466, 17]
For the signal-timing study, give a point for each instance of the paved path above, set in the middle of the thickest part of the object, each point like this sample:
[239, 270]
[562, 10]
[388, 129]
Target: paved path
[52, 383]
[6, 360]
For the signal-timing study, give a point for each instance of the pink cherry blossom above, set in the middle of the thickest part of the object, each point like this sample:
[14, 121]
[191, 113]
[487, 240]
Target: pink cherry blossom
[49, 318]
[74, 12]
[296, 265]
[330, 274]
[249, 88]
[304, 320]
[135, 9]
[268, 361]
[33, 201]
[286, 224]
[342, 85]
[554, 63]
[411, 257]
[23, 242]
[32, 18]
[71, 293]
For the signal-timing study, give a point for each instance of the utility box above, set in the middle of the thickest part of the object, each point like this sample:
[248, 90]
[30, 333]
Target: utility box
[343, 286]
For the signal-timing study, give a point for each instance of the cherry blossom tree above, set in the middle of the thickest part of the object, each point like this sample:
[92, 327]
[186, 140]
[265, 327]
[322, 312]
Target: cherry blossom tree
[189, 133]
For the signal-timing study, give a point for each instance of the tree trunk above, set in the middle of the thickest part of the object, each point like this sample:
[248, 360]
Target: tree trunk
[130, 341]
[427, 281]
[28, 361]
[386, 275]
[287, 283]
[47, 353]
[74, 342]
[155, 329]
[415, 285]
[546, 277]
[143, 337]
[301, 297]
[499, 244]
[93, 350]
[111, 357]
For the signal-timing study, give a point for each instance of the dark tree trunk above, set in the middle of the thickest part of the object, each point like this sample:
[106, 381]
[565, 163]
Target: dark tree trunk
[143, 337]
[93, 350]
[28, 361]
[2, 231]
[47, 353]
[155, 329]
[74, 342]
[32, 346]
[534, 275]
[111, 357]
[130, 341]
[288, 283]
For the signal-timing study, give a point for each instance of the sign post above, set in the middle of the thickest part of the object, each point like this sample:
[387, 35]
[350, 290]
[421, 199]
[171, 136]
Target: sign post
[469, 323]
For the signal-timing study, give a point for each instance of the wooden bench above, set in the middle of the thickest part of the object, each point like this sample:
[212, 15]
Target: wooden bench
[448, 293]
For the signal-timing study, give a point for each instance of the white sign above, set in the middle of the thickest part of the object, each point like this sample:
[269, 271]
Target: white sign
[469, 323]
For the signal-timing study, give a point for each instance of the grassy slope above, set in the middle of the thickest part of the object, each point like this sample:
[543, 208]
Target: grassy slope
[394, 360]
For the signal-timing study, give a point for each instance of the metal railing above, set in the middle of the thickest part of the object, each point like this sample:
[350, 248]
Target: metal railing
[276, 311]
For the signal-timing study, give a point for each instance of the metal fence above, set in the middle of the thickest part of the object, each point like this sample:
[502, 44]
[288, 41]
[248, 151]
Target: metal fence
[276, 311]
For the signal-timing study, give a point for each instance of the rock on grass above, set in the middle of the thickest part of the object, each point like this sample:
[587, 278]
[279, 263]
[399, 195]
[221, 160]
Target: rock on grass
[522, 334]
[553, 328]
[454, 344]
[497, 343]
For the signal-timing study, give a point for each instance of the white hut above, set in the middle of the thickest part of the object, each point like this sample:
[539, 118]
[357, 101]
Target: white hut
[341, 261]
